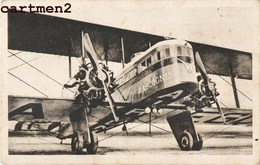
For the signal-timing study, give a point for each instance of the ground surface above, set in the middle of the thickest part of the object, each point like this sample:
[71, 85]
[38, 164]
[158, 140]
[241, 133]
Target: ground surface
[218, 140]
[235, 138]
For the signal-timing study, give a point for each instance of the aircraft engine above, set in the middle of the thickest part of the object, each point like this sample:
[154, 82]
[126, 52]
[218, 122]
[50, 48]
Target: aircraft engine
[94, 91]
[205, 90]
[92, 78]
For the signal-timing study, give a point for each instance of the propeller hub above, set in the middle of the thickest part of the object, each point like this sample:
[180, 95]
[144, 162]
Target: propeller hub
[93, 83]
[102, 76]
[94, 78]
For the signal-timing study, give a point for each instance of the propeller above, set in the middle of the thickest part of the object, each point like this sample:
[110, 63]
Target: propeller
[201, 67]
[100, 73]
[209, 86]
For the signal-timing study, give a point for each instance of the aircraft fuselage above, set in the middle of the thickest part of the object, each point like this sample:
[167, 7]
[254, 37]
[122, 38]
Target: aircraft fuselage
[166, 70]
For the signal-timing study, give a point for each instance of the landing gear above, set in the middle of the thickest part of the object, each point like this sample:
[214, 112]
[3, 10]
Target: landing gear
[185, 141]
[183, 129]
[75, 145]
[91, 147]
[197, 145]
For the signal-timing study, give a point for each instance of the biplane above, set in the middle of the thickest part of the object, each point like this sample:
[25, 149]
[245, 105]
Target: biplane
[160, 74]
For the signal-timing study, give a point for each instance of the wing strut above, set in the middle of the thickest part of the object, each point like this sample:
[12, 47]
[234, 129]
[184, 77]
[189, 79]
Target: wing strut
[123, 52]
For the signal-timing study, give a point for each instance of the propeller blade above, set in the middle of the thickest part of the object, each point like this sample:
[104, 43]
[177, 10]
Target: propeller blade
[110, 101]
[92, 55]
[101, 75]
[83, 49]
[220, 112]
[201, 67]
[203, 72]
[218, 106]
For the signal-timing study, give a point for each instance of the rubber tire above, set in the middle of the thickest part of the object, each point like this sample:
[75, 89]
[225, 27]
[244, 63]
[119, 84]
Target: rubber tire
[93, 146]
[198, 145]
[186, 141]
[74, 141]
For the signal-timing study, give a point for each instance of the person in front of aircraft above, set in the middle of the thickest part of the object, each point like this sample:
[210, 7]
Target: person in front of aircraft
[79, 80]
[77, 112]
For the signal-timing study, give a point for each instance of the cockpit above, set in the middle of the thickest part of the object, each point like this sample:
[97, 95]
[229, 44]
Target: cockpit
[184, 54]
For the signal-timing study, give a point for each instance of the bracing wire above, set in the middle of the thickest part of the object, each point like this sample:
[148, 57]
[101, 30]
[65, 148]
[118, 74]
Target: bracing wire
[13, 54]
[24, 63]
[223, 104]
[111, 56]
[147, 122]
[28, 84]
[142, 122]
[38, 70]
[229, 83]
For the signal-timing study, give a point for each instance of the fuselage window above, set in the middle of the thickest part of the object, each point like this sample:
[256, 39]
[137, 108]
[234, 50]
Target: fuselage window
[184, 50]
[158, 56]
[188, 51]
[163, 54]
[167, 52]
[179, 50]
[185, 59]
[143, 63]
[149, 61]
[135, 72]
[142, 66]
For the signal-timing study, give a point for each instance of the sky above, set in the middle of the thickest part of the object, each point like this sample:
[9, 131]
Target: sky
[231, 24]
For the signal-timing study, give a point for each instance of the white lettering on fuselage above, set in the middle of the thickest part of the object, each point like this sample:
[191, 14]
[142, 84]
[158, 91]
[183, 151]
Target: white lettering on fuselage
[155, 81]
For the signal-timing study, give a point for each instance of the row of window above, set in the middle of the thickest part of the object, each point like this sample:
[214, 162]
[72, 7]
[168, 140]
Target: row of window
[184, 51]
[144, 64]
[183, 56]
[159, 56]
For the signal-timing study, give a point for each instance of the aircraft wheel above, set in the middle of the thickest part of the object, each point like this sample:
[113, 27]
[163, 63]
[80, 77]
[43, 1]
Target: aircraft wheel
[75, 148]
[186, 141]
[93, 146]
[198, 145]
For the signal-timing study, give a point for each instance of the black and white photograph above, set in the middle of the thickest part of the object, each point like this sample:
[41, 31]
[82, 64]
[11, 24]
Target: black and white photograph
[130, 82]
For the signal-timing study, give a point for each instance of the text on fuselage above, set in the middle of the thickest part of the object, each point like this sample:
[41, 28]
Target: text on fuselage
[155, 81]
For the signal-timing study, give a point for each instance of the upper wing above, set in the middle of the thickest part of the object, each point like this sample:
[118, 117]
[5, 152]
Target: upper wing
[53, 35]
